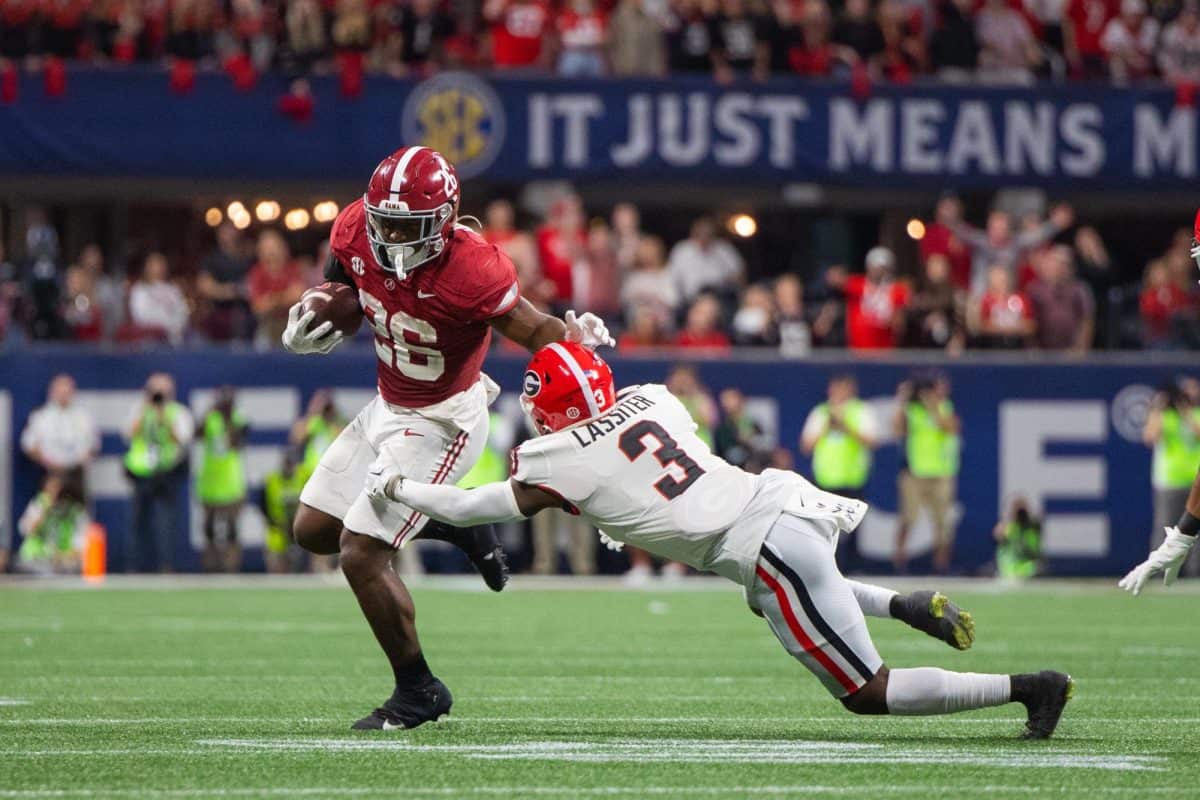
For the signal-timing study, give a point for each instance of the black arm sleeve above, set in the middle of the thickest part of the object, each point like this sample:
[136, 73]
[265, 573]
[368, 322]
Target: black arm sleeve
[335, 272]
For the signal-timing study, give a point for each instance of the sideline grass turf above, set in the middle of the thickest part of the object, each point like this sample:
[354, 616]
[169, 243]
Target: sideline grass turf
[236, 692]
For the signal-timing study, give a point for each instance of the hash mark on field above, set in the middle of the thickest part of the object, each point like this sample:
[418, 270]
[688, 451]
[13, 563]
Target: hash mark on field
[13, 701]
[707, 751]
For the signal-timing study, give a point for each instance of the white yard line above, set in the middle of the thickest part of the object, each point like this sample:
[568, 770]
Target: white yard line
[598, 791]
[482, 720]
[13, 701]
[696, 751]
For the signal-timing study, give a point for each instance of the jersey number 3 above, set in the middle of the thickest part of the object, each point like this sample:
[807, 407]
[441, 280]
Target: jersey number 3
[668, 453]
[399, 339]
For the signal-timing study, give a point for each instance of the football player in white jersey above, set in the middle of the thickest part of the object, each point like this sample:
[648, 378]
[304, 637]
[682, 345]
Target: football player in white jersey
[633, 466]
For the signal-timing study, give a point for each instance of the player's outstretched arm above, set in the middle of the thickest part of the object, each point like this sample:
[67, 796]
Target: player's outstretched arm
[1168, 558]
[503, 501]
[533, 330]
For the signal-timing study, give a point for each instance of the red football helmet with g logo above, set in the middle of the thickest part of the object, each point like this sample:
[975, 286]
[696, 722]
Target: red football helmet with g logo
[411, 205]
[565, 384]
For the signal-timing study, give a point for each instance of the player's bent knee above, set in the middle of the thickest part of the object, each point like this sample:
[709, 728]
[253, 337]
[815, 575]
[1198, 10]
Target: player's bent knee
[316, 531]
[363, 556]
[871, 698]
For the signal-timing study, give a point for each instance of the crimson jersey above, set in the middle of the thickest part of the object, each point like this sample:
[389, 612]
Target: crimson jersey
[431, 329]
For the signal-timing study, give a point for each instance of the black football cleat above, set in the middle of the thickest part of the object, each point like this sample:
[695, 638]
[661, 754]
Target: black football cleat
[409, 709]
[936, 615]
[1044, 695]
[481, 545]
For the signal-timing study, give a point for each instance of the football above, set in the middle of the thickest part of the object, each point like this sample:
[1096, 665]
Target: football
[336, 303]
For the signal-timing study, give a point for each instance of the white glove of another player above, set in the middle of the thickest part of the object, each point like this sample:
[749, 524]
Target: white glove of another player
[611, 543]
[1168, 559]
[1196, 252]
[299, 339]
[382, 482]
[588, 330]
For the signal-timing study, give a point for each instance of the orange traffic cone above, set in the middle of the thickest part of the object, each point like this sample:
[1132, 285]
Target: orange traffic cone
[95, 557]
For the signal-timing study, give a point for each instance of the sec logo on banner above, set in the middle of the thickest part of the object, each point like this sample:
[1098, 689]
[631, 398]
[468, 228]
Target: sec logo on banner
[458, 115]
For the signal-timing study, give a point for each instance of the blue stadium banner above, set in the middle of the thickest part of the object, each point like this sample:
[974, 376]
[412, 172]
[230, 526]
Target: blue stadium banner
[128, 122]
[1066, 436]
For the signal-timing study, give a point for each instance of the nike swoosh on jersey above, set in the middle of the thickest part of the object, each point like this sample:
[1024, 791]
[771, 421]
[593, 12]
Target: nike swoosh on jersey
[425, 295]
[411, 432]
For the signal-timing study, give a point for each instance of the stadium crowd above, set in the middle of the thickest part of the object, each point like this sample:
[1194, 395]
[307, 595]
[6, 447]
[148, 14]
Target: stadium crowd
[895, 40]
[1032, 281]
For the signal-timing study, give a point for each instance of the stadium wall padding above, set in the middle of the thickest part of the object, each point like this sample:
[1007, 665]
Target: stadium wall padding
[1065, 434]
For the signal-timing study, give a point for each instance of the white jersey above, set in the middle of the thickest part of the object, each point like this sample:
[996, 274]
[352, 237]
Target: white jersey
[640, 474]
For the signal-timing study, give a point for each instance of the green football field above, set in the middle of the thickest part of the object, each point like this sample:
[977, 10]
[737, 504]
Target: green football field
[233, 691]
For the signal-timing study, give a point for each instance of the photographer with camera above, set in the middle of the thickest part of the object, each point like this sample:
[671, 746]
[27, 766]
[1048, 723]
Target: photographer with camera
[221, 485]
[158, 432]
[840, 435]
[1173, 430]
[925, 419]
[1018, 542]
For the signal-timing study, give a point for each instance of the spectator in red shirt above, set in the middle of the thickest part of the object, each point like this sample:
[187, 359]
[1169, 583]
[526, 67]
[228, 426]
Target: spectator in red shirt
[518, 30]
[941, 240]
[904, 53]
[1003, 318]
[1129, 41]
[701, 331]
[810, 52]
[560, 243]
[644, 331]
[1161, 303]
[500, 229]
[274, 284]
[1084, 25]
[81, 308]
[875, 303]
[582, 36]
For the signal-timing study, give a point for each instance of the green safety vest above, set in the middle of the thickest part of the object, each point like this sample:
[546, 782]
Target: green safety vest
[60, 525]
[281, 497]
[319, 434]
[839, 460]
[1017, 555]
[932, 452]
[703, 432]
[222, 479]
[152, 450]
[1177, 454]
[491, 467]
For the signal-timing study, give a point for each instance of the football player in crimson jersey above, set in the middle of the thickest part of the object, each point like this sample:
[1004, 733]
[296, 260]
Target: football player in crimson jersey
[632, 465]
[433, 291]
[1170, 556]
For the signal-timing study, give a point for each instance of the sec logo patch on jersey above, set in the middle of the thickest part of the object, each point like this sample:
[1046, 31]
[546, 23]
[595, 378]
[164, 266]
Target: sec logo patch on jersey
[532, 384]
[357, 266]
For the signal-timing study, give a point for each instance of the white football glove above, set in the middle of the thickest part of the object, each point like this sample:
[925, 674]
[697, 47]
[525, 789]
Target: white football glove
[1167, 558]
[611, 543]
[1195, 251]
[298, 339]
[588, 330]
[383, 482]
